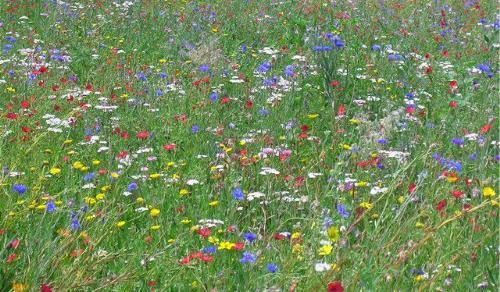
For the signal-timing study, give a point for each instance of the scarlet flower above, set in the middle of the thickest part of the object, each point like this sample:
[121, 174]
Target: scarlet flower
[206, 258]
[185, 261]
[249, 104]
[412, 187]
[279, 236]
[122, 154]
[335, 287]
[224, 100]
[453, 84]
[453, 104]
[25, 129]
[304, 128]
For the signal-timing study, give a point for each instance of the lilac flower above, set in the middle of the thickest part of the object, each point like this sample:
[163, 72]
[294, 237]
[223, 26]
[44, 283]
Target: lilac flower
[458, 141]
[195, 129]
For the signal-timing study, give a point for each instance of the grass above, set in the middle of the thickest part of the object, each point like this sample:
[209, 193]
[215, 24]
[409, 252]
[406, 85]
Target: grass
[360, 167]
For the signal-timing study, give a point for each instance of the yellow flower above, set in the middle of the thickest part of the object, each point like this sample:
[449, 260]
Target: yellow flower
[89, 201]
[186, 221]
[401, 199]
[354, 121]
[95, 162]
[154, 176]
[419, 225]
[155, 227]
[213, 203]
[78, 165]
[366, 205]
[295, 235]
[106, 188]
[361, 184]
[297, 248]
[183, 192]
[120, 224]
[66, 142]
[99, 196]
[170, 241]
[312, 116]
[154, 212]
[325, 250]
[114, 175]
[18, 287]
[139, 200]
[213, 240]
[55, 171]
[41, 207]
[488, 192]
[226, 245]
[333, 233]
[243, 142]
[419, 278]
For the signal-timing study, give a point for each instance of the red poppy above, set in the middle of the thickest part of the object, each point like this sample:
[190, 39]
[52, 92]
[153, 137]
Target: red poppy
[453, 84]
[440, 206]
[249, 104]
[335, 287]
[207, 258]
[412, 187]
[45, 288]
[25, 104]
[169, 147]
[185, 261]
[485, 129]
[11, 258]
[239, 246]
[453, 104]
[142, 135]
[457, 193]
[279, 236]
[224, 100]
[204, 232]
[341, 111]
[12, 116]
[14, 243]
[334, 83]
[25, 129]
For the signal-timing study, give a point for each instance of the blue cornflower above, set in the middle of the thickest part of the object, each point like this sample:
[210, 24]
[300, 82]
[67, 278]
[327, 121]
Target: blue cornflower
[132, 186]
[248, 236]
[395, 57]
[289, 71]
[338, 43]
[20, 189]
[264, 112]
[264, 67]
[458, 141]
[341, 209]
[248, 257]
[50, 207]
[238, 194]
[272, 268]
[163, 75]
[243, 48]
[75, 225]
[89, 176]
[195, 129]
[376, 48]
[382, 141]
[484, 68]
[141, 76]
[10, 39]
[209, 249]
[159, 92]
[214, 96]
[204, 68]
[473, 156]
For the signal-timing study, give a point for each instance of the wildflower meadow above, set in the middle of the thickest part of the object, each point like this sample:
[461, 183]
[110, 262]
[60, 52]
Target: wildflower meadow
[249, 145]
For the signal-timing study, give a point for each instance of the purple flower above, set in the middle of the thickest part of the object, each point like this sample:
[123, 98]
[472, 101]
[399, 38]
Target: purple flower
[204, 68]
[264, 67]
[209, 249]
[75, 225]
[214, 96]
[195, 129]
[289, 71]
[376, 48]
